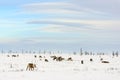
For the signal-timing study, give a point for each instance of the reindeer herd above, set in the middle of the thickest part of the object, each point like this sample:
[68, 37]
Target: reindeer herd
[31, 66]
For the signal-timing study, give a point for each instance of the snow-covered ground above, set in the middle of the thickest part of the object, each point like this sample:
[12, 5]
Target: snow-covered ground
[13, 67]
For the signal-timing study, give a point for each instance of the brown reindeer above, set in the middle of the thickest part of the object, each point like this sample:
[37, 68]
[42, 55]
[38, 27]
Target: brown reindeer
[35, 56]
[14, 55]
[31, 66]
[40, 56]
[46, 60]
[91, 59]
[82, 62]
[69, 59]
[59, 58]
[105, 62]
[53, 57]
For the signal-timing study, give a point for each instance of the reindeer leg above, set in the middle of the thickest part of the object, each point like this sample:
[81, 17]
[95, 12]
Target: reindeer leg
[27, 68]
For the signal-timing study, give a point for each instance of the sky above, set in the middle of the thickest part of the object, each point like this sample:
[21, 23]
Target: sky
[64, 25]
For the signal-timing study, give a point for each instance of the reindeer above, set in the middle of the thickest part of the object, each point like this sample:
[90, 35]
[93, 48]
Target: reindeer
[69, 59]
[103, 61]
[14, 55]
[91, 59]
[35, 56]
[53, 57]
[40, 56]
[46, 60]
[31, 66]
[82, 62]
[59, 58]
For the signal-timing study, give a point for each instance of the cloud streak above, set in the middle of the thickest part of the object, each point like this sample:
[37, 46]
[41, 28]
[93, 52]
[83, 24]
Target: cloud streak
[107, 6]
[78, 25]
[58, 8]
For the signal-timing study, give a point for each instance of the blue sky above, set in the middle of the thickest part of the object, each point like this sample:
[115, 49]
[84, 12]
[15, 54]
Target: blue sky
[65, 25]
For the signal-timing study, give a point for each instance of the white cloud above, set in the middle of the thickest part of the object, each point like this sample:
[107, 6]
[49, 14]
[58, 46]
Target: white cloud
[77, 25]
[108, 6]
[58, 8]
[5, 40]
[35, 40]
[61, 28]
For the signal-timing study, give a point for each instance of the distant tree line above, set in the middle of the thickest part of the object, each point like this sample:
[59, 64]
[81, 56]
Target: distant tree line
[92, 53]
[50, 52]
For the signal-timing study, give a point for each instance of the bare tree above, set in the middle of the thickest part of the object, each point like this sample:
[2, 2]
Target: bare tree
[81, 52]
[74, 53]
